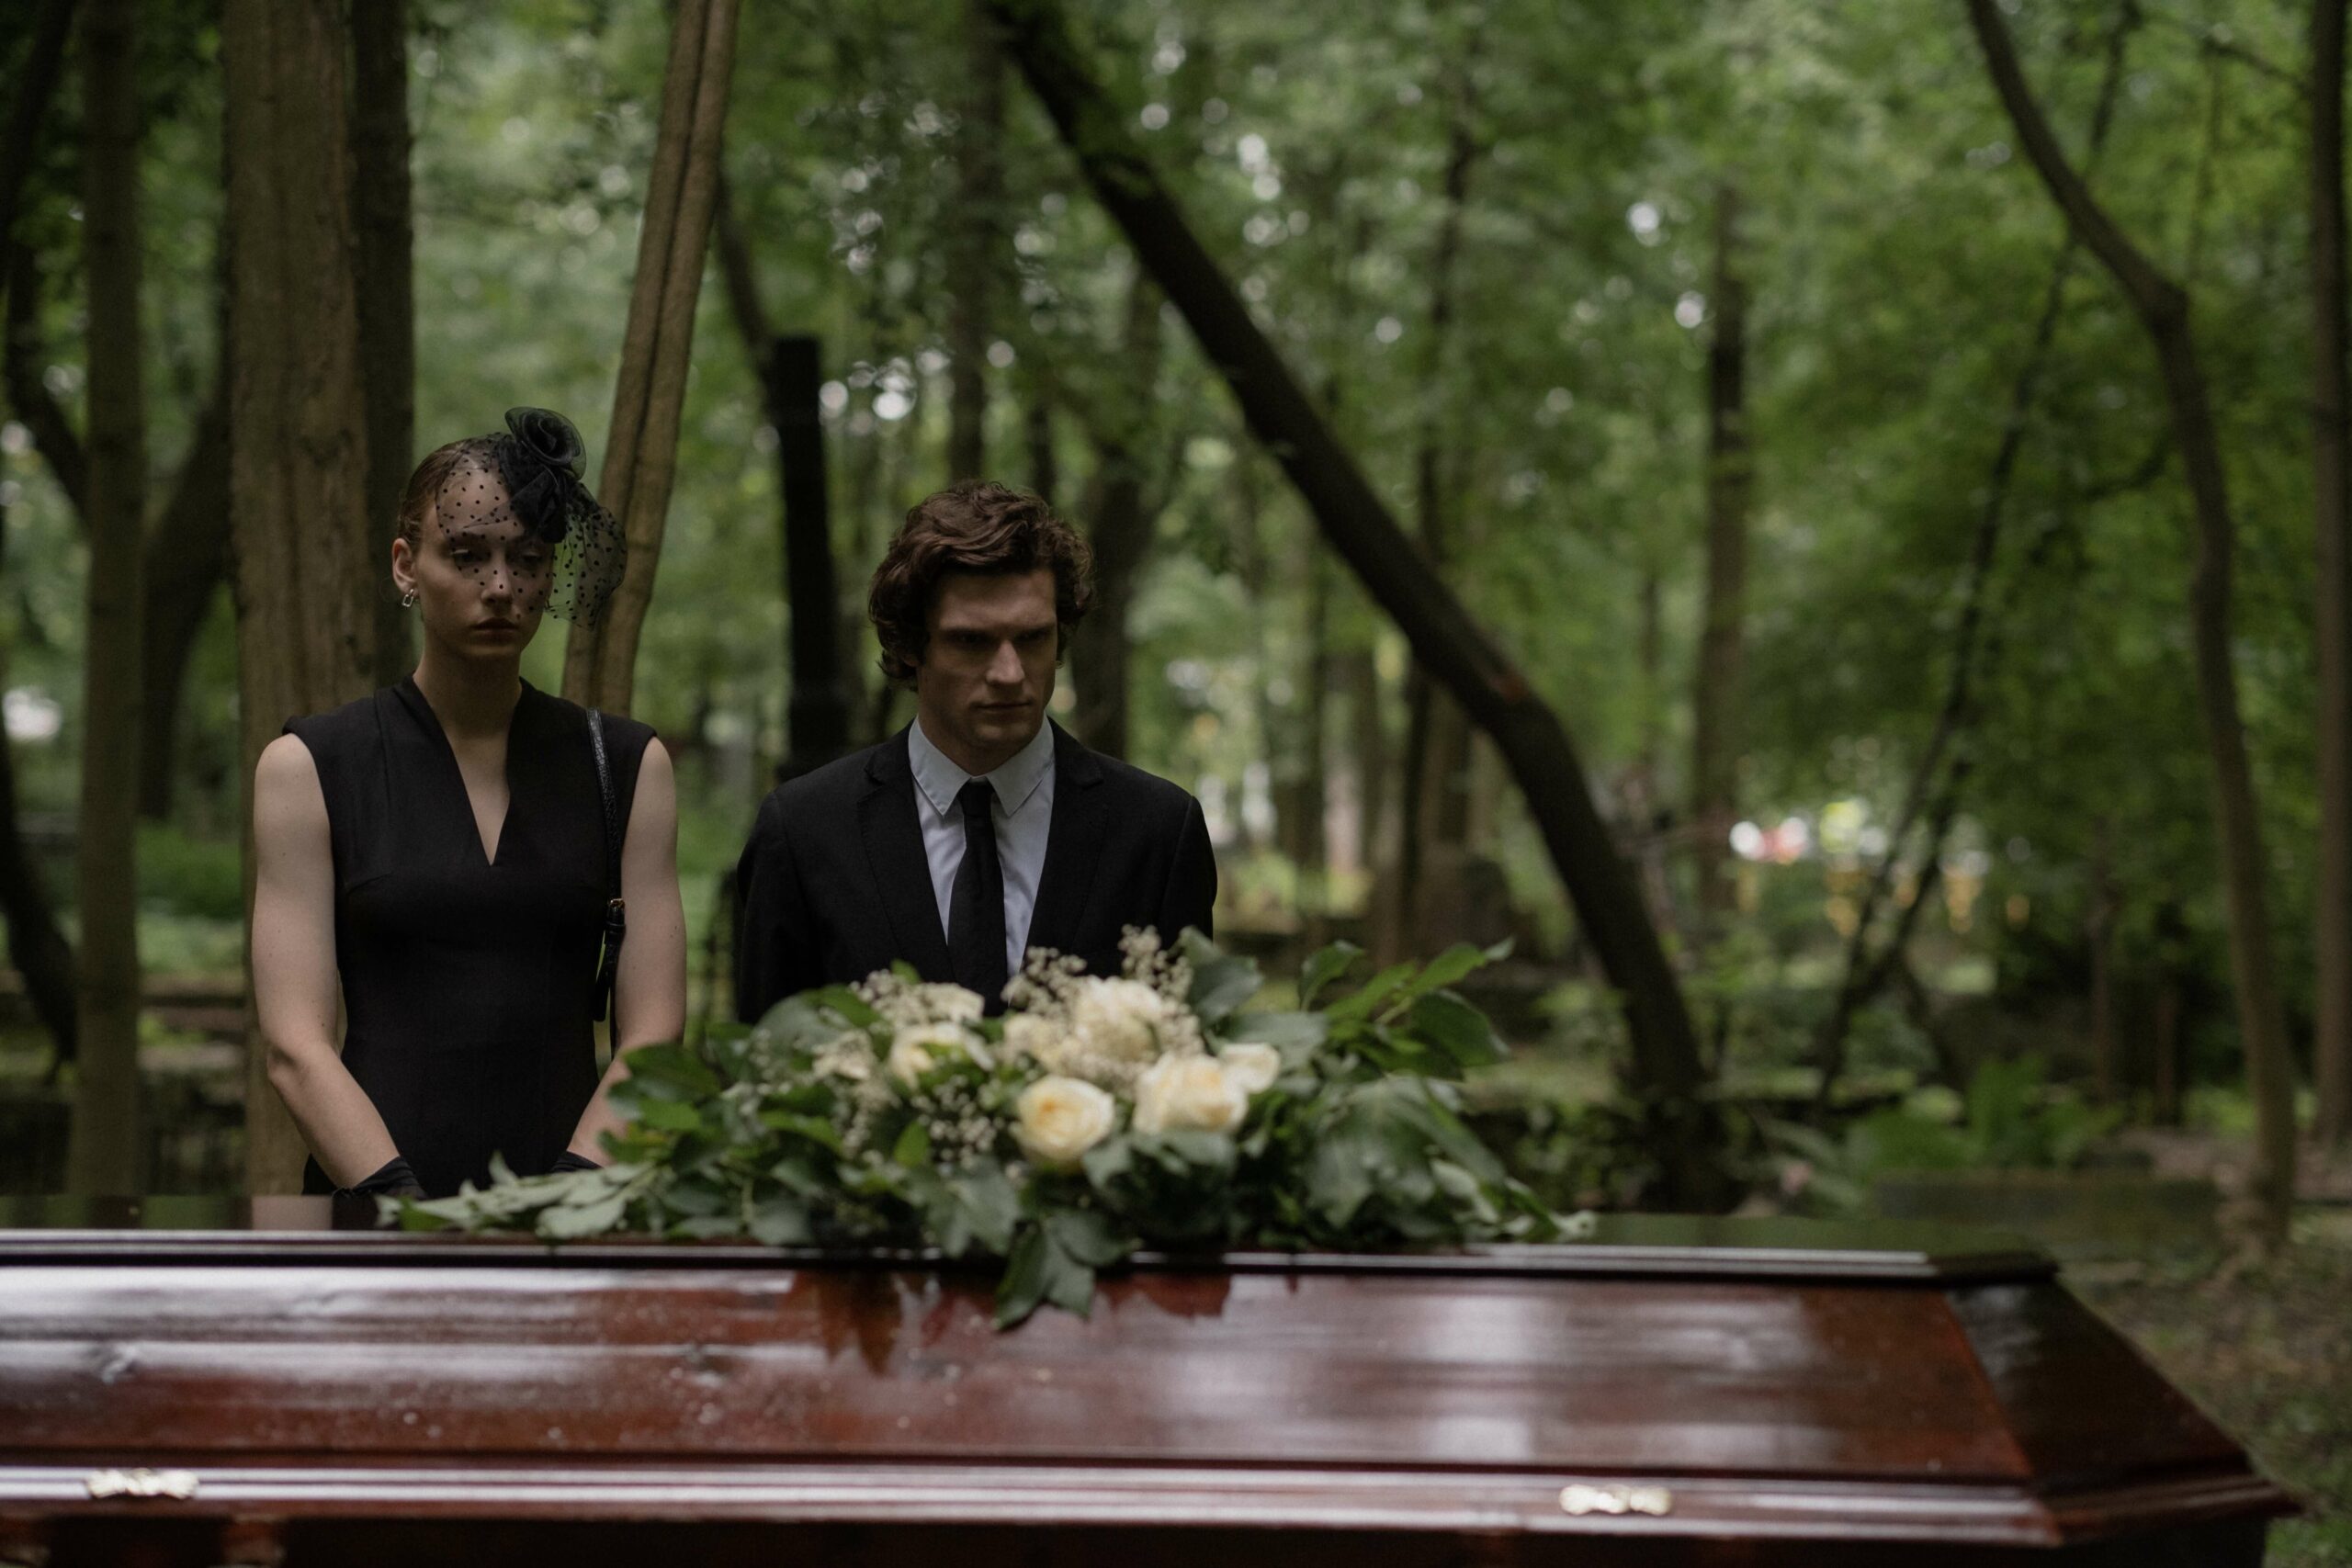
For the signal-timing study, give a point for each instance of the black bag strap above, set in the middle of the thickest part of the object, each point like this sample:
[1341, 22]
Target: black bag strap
[608, 968]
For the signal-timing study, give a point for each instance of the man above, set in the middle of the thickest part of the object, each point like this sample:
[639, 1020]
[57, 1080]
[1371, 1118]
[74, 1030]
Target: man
[983, 829]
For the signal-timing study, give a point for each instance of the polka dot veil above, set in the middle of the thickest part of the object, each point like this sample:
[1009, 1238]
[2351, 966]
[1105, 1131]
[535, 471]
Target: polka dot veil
[515, 504]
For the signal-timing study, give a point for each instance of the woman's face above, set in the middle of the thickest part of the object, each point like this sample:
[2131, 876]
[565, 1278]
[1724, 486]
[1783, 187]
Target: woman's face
[481, 582]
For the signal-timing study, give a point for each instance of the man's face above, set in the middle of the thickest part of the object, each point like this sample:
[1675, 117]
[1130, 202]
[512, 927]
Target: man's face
[988, 669]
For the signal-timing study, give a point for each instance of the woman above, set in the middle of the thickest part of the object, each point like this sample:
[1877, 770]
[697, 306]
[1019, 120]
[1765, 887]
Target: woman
[441, 847]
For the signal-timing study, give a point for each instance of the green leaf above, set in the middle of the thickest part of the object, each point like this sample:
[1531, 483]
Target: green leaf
[1339, 1175]
[990, 1205]
[1378, 990]
[1069, 1283]
[1210, 1151]
[1293, 1033]
[1221, 982]
[1089, 1235]
[781, 1221]
[1458, 961]
[1322, 967]
[1107, 1161]
[1022, 1288]
[673, 1067]
[562, 1221]
[670, 1115]
[1459, 1031]
[914, 1147]
[816, 1129]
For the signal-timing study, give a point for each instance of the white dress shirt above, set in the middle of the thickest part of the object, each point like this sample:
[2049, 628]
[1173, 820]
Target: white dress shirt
[1025, 815]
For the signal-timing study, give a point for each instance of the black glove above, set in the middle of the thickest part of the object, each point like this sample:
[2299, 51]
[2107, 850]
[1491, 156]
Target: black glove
[568, 1162]
[395, 1179]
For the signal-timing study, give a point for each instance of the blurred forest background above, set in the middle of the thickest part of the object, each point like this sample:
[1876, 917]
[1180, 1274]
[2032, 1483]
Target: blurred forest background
[1843, 479]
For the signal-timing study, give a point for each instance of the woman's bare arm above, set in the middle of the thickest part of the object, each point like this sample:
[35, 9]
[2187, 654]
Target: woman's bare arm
[294, 967]
[650, 996]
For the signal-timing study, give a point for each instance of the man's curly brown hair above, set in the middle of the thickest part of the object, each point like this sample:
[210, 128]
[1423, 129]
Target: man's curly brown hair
[976, 526]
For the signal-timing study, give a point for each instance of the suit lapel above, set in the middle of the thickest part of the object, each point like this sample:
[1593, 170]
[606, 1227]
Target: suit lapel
[886, 816]
[1073, 845]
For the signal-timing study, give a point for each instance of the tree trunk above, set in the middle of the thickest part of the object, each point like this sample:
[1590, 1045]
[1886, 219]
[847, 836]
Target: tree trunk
[1715, 695]
[1451, 647]
[979, 201]
[1119, 531]
[37, 948]
[2163, 310]
[642, 450]
[2172, 963]
[818, 722]
[1368, 749]
[1310, 807]
[1037, 424]
[2098, 932]
[1431, 855]
[36, 85]
[384, 264]
[298, 458]
[817, 718]
[39, 411]
[2332, 1050]
[104, 1154]
[186, 558]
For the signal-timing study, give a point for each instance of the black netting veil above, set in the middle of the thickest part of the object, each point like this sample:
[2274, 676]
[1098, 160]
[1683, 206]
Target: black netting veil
[515, 503]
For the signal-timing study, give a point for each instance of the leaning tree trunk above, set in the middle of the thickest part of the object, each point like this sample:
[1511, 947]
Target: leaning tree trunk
[1715, 697]
[642, 450]
[37, 948]
[2332, 1050]
[186, 560]
[384, 260]
[298, 457]
[34, 88]
[1119, 531]
[1454, 650]
[104, 1153]
[2163, 309]
[972, 236]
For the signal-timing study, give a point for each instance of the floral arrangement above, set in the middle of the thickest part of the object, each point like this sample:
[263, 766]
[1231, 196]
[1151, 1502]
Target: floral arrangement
[1100, 1115]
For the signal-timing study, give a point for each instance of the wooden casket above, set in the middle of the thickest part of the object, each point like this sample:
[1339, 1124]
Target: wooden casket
[1677, 1391]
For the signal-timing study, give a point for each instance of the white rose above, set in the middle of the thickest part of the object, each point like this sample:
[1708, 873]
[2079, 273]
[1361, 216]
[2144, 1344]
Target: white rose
[948, 1004]
[1253, 1065]
[1189, 1093]
[1060, 1119]
[917, 1050]
[1116, 1019]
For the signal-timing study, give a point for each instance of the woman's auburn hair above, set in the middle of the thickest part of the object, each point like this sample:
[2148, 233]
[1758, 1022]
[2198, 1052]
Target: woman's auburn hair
[981, 527]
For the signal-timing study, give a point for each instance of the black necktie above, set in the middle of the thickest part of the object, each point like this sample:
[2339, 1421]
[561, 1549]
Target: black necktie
[976, 908]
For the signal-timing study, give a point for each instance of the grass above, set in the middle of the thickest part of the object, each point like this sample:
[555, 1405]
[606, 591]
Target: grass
[2266, 1350]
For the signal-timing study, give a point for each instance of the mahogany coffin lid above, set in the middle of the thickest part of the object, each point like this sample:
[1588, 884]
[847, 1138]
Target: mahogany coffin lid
[1675, 1379]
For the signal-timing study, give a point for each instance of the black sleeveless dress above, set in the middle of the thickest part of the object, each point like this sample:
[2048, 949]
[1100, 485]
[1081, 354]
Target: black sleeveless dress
[468, 983]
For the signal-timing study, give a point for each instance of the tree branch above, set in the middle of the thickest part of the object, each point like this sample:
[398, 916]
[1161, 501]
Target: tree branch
[2155, 296]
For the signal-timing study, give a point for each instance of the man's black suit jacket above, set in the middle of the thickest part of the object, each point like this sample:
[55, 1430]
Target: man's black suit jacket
[834, 883]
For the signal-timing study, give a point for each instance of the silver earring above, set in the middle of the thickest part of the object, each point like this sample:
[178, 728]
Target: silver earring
[408, 600]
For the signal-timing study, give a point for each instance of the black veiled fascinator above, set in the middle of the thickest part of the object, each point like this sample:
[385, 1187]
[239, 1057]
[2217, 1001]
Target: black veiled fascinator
[564, 551]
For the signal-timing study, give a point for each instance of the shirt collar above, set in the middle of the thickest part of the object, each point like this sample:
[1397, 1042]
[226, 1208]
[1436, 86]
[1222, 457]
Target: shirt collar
[1016, 782]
